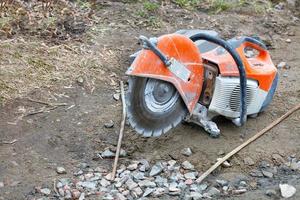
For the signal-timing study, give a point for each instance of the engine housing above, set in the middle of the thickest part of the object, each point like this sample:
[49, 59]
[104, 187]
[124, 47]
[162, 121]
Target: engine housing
[226, 97]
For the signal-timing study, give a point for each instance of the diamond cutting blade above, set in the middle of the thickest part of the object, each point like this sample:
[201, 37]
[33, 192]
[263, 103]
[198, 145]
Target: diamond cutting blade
[153, 106]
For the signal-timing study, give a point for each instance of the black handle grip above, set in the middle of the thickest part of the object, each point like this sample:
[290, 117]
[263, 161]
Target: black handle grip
[226, 45]
[148, 44]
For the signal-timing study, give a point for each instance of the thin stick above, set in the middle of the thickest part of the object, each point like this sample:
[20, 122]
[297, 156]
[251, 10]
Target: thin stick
[9, 142]
[253, 138]
[47, 103]
[42, 110]
[121, 132]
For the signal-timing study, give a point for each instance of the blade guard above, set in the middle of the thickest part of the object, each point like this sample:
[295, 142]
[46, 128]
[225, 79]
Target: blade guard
[182, 50]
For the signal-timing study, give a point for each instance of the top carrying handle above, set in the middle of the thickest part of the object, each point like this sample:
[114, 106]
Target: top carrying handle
[251, 42]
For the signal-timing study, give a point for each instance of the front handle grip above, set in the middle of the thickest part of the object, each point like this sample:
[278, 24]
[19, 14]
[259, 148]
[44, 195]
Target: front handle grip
[149, 45]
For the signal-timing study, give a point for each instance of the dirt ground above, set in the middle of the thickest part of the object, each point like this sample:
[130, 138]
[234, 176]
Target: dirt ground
[72, 134]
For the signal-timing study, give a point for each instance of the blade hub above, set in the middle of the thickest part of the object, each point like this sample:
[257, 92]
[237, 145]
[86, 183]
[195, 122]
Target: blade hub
[160, 96]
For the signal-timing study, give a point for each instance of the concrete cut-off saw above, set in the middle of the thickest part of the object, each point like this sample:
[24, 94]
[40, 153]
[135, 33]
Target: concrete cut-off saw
[193, 76]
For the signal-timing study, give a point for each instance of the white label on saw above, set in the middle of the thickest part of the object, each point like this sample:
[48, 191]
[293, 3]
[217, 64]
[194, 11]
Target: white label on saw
[179, 70]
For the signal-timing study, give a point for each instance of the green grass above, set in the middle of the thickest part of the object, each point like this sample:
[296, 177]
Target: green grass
[221, 5]
[188, 4]
[150, 7]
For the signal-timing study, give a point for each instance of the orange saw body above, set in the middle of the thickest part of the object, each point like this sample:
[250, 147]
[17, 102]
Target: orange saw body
[194, 75]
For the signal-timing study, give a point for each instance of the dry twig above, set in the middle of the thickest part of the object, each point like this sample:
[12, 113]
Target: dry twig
[47, 103]
[9, 142]
[121, 132]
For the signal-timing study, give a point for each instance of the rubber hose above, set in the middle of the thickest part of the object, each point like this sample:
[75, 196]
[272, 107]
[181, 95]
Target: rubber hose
[148, 44]
[226, 45]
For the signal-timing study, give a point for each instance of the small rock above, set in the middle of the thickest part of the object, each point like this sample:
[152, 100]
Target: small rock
[263, 182]
[243, 184]
[187, 165]
[189, 182]
[131, 184]
[221, 152]
[171, 163]
[46, 191]
[256, 173]
[159, 192]
[249, 161]
[108, 197]
[80, 80]
[213, 192]
[194, 188]
[82, 196]
[222, 182]
[239, 191]
[123, 153]
[279, 6]
[264, 164]
[137, 192]
[225, 188]
[104, 182]
[88, 184]
[203, 187]
[122, 180]
[120, 196]
[61, 170]
[288, 40]
[78, 173]
[63, 181]
[126, 192]
[156, 169]
[148, 191]
[108, 177]
[83, 165]
[146, 183]
[176, 176]
[68, 194]
[1, 184]
[173, 187]
[195, 196]
[75, 194]
[286, 190]
[132, 167]
[270, 193]
[281, 65]
[61, 192]
[267, 174]
[109, 124]
[160, 181]
[88, 176]
[144, 165]
[116, 97]
[138, 175]
[107, 154]
[190, 175]
[295, 165]
[225, 164]
[186, 151]
[182, 185]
